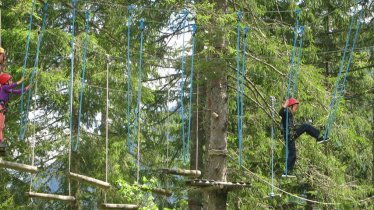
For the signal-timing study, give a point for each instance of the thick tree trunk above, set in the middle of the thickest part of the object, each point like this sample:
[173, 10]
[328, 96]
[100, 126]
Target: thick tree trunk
[216, 162]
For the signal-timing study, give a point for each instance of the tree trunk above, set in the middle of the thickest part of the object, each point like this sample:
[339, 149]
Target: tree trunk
[216, 163]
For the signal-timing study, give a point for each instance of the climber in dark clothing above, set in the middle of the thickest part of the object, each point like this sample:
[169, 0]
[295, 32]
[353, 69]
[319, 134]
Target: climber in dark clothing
[295, 131]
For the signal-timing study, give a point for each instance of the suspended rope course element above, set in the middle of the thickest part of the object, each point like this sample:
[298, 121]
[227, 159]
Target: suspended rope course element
[137, 109]
[184, 146]
[83, 78]
[23, 129]
[289, 84]
[130, 144]
[24, 67]
[272, 194]
[191, 92]
[342, 79]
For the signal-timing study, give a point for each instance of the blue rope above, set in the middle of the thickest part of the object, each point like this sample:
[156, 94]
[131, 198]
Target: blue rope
[83, 77]
[129, 143]
[182, 92]
[239, 15]
[24, 67]
[272, 144]
[191, 88]
[139, 83]
[300, 32]
[330, 117]
[36, 61]
[72, 71]
[246, 29]
[341, 87]
[289, 83]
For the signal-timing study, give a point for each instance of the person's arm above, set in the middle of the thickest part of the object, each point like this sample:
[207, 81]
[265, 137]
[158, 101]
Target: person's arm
[19, 91]
[282, 111]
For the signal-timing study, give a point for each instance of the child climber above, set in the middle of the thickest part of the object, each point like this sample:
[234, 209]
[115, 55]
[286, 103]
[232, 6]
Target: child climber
[6, 88]
[295, 131]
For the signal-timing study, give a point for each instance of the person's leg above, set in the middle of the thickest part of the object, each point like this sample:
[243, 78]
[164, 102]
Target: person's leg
[291, 155]
[307, 128]
[2, 125]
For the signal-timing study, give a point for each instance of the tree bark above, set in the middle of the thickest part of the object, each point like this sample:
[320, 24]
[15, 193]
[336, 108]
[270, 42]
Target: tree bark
[216, 164]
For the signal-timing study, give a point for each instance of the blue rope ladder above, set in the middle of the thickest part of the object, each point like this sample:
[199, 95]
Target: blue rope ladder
[34, 70]
[24, 67]
[289, 83]
[191, 90]
[83, 81]
[340, 84]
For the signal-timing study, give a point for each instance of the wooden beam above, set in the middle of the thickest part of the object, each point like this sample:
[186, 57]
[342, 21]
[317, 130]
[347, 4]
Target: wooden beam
[182, 172]
[18, 166]
[217, 184]
[51, 196]
[119, 206]
[89, 180]
[159, 191]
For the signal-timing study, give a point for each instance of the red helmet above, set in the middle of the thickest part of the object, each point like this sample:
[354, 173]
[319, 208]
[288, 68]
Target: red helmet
[4, 78]
[291, 101]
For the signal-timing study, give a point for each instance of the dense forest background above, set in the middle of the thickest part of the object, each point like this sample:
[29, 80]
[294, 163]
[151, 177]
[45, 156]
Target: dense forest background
[338, 174]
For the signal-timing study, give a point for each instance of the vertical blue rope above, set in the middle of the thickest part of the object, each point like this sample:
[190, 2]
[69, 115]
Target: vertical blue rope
[329, 119]
[246, 29]
[300, 32]
[36, 62]
[238, 94]
[272, 145]
[191, 90]
[181, 90]
[289, 83]
[129, 143]
[83, 77]
[139, 82]
[24, 67]
[341, 87]
[72, 71]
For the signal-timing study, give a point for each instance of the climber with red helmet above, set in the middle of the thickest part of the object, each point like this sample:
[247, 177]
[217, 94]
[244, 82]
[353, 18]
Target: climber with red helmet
[295, 131]
[7, 88]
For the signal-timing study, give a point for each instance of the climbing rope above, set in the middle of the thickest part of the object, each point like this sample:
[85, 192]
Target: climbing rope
[184, 146]
[272, 144]
[139, 81]
[130, 144]
[36, 62]
[238, 95]
[339, 87]
[300, 34]
[289, 82]
[107, 126]
[24, 67]
[191, 90]
[83, 80]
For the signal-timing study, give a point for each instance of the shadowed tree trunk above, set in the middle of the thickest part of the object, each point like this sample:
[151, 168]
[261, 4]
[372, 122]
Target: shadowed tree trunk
[215, 155]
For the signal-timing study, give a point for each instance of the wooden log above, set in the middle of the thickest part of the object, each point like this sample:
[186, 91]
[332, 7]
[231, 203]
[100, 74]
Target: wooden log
[18, 166]
[89, 180]
[159, 191]
[51, 196]
[182, 172]
[119, 206]
[217, 184]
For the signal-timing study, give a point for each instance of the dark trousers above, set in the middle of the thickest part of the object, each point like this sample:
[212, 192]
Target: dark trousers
[301, 129]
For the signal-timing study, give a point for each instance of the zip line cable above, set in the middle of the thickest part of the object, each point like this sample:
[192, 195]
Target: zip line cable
[36, 62]
[129, 142]
[24, 68]
[83, 80]
[289, 84]
[340, 85]
[191, 91]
